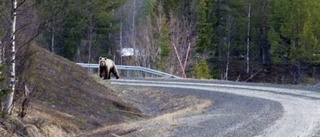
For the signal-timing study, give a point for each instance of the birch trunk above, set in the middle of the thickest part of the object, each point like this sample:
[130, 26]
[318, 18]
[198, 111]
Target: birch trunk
[228, 60]
[1, 51]
[52, 39]
[133, 24]
[91, 37]
[52, 33]
[121, 43]
[248, 40]
[228, 44]
[8, 104]
[134, 34]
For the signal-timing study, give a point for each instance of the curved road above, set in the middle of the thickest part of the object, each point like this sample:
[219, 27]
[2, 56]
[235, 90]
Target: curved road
[242, 109]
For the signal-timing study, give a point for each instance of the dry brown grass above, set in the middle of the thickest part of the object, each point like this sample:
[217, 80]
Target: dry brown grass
[65, 100]
[170, 108]
[159, 126]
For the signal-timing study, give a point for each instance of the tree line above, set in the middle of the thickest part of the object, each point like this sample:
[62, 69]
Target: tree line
[197, 38]
[258, 33]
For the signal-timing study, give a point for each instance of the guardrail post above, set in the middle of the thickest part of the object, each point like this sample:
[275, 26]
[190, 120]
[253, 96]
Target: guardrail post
[128, 74]
[140, 73]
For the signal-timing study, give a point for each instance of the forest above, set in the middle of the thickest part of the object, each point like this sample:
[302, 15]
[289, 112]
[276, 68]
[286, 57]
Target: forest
[274, 41]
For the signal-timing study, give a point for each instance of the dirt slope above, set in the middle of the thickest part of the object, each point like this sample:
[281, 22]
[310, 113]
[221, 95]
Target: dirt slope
[64, 101]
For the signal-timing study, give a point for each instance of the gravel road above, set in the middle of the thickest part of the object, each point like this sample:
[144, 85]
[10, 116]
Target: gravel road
[242, 109]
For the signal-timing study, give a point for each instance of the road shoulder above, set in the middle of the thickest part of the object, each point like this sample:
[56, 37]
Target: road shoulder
[161, 112]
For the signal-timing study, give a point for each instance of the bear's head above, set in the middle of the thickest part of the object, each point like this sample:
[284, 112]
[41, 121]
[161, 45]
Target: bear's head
[102, 61]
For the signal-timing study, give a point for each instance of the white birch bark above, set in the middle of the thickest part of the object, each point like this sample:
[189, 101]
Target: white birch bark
[121, 42]
[8, 104]
[248, 40]
[1, 51]
[134, 28]
[228, 44]
[53, 25]
[228, 59]
[52, 37]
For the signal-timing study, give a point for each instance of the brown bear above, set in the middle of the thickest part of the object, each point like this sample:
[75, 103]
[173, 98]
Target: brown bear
[107, 66]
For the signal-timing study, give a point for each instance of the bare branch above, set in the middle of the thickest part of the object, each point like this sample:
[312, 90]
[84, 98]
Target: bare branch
[20, 4]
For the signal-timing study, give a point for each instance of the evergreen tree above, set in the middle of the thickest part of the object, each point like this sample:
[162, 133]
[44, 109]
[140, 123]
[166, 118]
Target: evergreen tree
[164, 43]
[293, 22]
[204, 27]
[85, 22]
[201, 70]
[53, 16]
[279, 52]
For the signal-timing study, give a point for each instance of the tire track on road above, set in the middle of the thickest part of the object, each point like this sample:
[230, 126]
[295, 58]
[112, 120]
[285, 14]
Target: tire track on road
[301, 110]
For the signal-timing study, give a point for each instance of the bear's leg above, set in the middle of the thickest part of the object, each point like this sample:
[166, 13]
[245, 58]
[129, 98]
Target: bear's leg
[107, 73]
[115, 72]
[109, 76]
[100, 71]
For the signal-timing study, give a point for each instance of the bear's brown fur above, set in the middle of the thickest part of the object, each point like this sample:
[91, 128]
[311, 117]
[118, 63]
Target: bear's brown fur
[106, 67]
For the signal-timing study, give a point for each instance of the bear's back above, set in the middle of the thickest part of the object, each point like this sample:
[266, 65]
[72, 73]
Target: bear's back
[109, 62]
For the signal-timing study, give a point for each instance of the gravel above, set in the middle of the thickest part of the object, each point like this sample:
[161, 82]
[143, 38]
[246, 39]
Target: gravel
[231, 115]
[243, 109]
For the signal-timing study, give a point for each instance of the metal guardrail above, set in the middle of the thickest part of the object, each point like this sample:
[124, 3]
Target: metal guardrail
[134, 71]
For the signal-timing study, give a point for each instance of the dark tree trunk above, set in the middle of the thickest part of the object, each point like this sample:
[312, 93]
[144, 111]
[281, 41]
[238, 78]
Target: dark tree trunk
[297, 79]
[265, 46]
[219, 37]
[263, 28]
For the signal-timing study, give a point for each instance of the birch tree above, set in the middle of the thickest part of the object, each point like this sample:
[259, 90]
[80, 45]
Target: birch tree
[8, 104]
[24, 29]
[248, 38]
